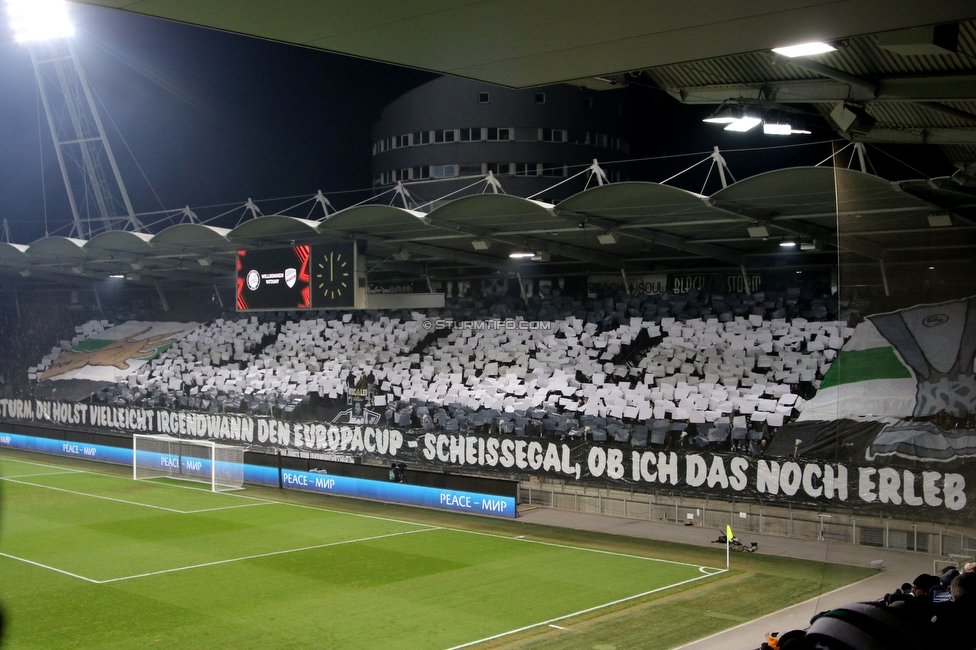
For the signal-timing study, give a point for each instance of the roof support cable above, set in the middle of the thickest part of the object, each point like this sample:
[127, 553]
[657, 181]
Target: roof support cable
[552, 187]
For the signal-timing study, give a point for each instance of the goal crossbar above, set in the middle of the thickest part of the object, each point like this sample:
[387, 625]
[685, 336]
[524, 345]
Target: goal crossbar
[201, 461]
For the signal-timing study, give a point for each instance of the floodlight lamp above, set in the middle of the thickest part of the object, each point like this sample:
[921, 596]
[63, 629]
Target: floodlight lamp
[24, 273]
[519, 256]
[401, 255]
[743, 124]
[482, 244]
[39, 20]
[204, 261]
[608, 238]
[542, 256]
[116, 276]
[804, 49]
[774, 128]
[758, 231]
[787, 244]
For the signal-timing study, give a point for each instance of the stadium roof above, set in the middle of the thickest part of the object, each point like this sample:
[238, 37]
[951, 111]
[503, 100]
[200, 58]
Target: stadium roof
[635, 227]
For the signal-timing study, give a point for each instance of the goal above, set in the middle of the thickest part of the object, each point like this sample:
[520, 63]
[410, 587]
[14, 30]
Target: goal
[203, 461]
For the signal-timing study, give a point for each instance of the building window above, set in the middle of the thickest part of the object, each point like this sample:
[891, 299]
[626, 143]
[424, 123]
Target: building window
[526, 169]
[552, 135]
[444, 171]
[470, 135]
[492, 133]
[470, 170]
[601, 139]
[540, 98]
[483, 97]
[421, 137]
[421, 172]
[447, 135]
[500, 169]
[556, 171]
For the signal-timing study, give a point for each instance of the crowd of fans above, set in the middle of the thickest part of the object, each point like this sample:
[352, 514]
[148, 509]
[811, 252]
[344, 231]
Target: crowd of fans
[932, 611]
[696, 369]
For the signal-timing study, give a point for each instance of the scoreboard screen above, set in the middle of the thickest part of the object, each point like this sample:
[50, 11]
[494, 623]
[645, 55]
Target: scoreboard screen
[323, 276]
[274, 279]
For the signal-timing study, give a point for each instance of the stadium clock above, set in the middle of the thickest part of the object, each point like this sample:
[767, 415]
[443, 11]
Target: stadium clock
[334, 276]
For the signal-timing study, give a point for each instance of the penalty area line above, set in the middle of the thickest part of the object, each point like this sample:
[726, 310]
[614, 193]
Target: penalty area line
[260, 555]
[582, 611]
[49, 568]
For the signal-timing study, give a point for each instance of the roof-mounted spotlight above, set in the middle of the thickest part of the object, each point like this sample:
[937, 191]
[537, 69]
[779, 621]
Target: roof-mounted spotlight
[78, 270]
[204, 261]
[608, 238]
[940, 220]
[401, 255]
[24, 273]
[541, 256]
[136, 266]
[482, 244]
[804, 49]
[789, 243]
[39, 20]
[814, 245]
[735, 117]
[758, 231]
[116, 276]
[521, 256]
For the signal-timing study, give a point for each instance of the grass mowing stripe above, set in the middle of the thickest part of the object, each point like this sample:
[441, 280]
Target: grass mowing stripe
[36, 475]
[230, 494]
[259, 555]
[584, 611]
[523, 538]
[49, 568]
[93, 496]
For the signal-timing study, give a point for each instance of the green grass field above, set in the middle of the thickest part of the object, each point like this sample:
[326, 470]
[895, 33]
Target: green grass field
[90, 558]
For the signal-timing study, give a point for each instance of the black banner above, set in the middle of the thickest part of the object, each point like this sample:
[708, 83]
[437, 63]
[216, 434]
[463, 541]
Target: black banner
[930, 490]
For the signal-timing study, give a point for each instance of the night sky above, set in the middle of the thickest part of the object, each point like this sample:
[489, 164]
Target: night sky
[210, 117]
[215, 118]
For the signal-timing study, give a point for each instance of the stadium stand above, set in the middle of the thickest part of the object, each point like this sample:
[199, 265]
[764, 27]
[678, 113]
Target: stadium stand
[695, 369]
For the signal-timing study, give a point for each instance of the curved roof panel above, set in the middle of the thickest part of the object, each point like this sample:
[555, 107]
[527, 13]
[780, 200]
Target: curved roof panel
[121, 241]
[644, 204]
[13, 254]
[274, 227]
[193, 234]
[59, 247]
[384, 221]
[498, 213]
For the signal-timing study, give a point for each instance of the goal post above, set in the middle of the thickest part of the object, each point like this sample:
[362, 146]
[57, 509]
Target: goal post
[202, 461]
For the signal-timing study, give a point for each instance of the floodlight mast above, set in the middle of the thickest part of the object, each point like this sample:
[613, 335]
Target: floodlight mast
[82, 148]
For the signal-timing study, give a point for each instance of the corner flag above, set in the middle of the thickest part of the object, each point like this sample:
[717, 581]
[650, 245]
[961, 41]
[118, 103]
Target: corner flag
[728, 545]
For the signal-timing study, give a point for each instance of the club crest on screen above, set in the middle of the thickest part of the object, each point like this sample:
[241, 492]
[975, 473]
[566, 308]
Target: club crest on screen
[290, 276]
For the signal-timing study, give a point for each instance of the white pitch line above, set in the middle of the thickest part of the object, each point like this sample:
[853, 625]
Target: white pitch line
[522, 538]
[49, 568]
[581, 612]
[28, 462]
[93, 496]
[238, 496]
[215, 509]
[260, 555]
[41, 474]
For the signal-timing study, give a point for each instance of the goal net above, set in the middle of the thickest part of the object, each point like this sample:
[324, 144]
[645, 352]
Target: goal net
[203, 461]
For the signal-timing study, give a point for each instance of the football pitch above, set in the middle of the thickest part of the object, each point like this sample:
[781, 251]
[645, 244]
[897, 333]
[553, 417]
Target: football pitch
[90, 558]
